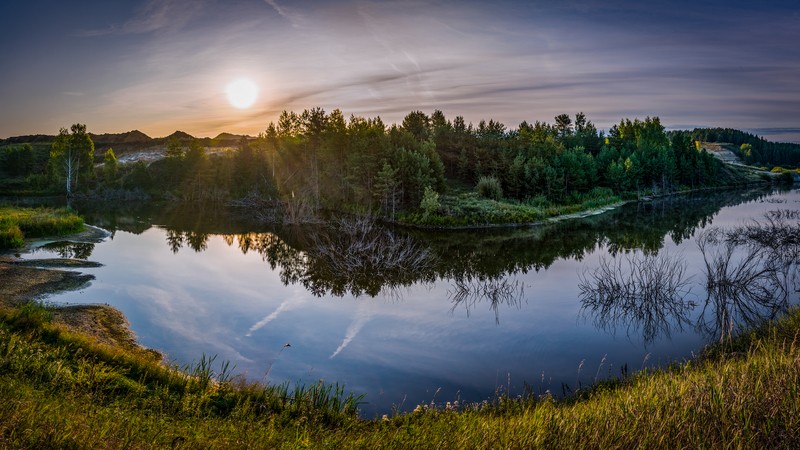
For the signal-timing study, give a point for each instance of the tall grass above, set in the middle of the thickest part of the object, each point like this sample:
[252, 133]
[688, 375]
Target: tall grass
[19, 223]
[62, 390]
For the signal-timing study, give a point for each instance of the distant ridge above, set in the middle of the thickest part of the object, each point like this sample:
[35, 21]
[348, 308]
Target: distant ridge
[130, 137]
[179, 135]
[28, 139]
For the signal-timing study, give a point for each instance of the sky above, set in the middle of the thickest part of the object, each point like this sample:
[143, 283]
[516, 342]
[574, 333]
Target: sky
[163, 65]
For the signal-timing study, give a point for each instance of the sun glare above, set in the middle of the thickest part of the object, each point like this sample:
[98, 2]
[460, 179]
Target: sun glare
[242, 93]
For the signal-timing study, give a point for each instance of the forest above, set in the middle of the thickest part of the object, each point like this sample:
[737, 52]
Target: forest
[751, 148]
[426, 170]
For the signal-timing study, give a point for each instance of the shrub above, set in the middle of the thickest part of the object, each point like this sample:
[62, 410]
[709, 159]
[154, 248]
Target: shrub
[430, 201]
[11, 236]
[489, 187]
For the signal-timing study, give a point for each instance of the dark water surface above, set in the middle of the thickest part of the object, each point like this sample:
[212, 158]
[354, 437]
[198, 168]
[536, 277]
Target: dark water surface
[406, 316]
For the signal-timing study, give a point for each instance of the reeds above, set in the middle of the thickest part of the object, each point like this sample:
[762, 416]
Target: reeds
[19, 223]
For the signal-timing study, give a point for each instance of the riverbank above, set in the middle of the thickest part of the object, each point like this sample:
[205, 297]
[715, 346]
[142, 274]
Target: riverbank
[64, 389]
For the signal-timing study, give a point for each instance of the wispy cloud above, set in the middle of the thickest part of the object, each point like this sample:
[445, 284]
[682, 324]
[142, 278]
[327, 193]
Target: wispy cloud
[268, 318]
[362, 317]
[296, 19]
[154, 16]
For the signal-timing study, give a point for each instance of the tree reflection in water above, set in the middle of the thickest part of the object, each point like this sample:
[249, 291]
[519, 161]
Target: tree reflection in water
[751, 271]
[752, 274]
[358, 257]
[469, 290]
[646, 292]
[350, 257]
[66, 249]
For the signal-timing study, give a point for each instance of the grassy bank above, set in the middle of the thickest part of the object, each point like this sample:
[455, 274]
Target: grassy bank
[16, 224]
[65, 390]
[470, 209]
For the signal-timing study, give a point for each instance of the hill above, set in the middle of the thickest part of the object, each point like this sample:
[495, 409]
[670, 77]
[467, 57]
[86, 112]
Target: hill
[761, 151]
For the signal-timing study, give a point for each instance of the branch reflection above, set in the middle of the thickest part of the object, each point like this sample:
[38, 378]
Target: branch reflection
[751, 271]
[469, 290]
[641, 292]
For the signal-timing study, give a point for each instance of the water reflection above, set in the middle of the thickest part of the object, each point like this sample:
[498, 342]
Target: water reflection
[176, 239]
[362, 258]
[249, 292]
[468, 291]
[751, 271]
[65, 249]
[356, 256]
[645, 293]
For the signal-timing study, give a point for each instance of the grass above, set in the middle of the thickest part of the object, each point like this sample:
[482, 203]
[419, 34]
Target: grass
[16, 224]
[59, 389]
[470, 209]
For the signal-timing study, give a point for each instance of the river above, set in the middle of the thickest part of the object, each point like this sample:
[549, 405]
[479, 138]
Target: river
[408, 316]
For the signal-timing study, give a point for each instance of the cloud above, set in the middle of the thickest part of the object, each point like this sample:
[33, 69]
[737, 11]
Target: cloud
[355, 327]
[156, 15]
[269, 318]
[296, 19]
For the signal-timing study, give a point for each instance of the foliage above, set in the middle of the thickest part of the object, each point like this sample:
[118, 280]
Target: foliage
[322, 160]
[489, 187]
[23, 169]
[753, 149]
[430, 201]
[18, 223]
[110, 165]
[72, 156]
[11, 236]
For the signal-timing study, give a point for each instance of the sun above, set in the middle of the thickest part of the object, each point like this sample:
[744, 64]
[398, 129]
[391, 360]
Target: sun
[241, 93]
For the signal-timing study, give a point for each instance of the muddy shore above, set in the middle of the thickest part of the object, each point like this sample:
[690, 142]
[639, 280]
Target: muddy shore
[25, 280]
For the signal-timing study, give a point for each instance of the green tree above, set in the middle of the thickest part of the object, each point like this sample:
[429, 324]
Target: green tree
[174, 149]
[387, 189]
[72, 156]
[418, 124]
[563, 125]
[110, 165]
[430, 201]
[747, 152]
[196, 153]
[17, 161]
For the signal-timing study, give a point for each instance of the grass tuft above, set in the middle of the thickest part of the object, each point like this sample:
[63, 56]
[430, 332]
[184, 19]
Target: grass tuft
[19, 223]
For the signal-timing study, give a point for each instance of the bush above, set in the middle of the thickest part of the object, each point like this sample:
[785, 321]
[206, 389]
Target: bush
[489, 187]
[30, 316]
[430, 201]
[11, 236]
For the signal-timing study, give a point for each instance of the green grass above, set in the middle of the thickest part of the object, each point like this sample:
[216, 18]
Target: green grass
[16, 224]
[470, 209]
[59, 389]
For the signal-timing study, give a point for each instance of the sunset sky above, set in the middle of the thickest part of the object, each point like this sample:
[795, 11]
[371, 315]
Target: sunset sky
[158, 66]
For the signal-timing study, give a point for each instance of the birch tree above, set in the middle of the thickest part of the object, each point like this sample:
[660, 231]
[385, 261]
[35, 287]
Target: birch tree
[72, 155]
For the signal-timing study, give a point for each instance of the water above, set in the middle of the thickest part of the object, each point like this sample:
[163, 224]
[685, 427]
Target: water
[480, 312]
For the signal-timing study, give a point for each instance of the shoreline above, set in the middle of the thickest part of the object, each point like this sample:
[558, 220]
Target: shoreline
[576, 215]
[36, 279]
[26, 280]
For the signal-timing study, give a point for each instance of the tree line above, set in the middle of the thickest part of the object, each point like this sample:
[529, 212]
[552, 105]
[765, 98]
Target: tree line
[316, 159]
[751, 148]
